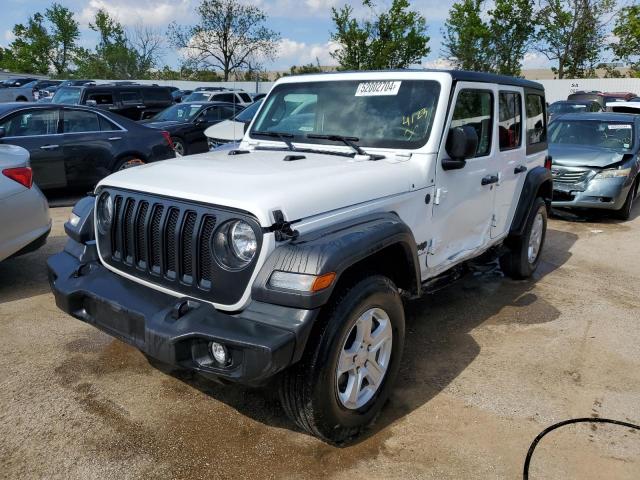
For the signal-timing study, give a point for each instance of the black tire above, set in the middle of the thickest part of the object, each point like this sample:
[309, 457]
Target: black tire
[128, 162]
[625, 212]
[516, 262]
[309, 389]
[179, 146]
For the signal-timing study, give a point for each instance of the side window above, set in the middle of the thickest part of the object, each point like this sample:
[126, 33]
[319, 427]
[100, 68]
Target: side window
[101, 98]
[77, 121]
[133, 96]
[211, 115]
[475, 109]
[536, 119]
[226, 97]
[509, 120]
[245, 97]
[31, 122]
[228, 112]
[107, 125]
[157, 95]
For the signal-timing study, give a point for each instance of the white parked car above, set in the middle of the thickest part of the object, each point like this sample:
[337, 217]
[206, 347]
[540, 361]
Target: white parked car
[232, 130]
[291, 255]
[231, 96]
[24, 212]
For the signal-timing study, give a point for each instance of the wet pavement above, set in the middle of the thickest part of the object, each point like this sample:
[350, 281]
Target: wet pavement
[488, 364]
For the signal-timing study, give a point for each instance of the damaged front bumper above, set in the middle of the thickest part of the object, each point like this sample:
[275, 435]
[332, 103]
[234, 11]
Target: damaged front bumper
[261, 340]
[606, 193]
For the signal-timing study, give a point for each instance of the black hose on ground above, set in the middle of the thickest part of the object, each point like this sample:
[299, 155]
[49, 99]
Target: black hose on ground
[534, 444]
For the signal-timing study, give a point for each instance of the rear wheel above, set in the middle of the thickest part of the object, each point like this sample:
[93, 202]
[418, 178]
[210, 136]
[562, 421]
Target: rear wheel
[128, 162]
[343, 381]
[524, 252]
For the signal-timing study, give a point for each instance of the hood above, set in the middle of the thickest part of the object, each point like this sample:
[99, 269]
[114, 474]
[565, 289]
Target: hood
[229, 130]
[583, 156]
[161, 124]
[261, 181]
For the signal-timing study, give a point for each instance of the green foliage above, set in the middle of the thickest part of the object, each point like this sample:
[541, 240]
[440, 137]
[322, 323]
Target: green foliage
[308, 68]
[395, 38]
[63, 37]
[497, 45]
[627, 31]
[30, 48]
[572, 34]
[230, 37]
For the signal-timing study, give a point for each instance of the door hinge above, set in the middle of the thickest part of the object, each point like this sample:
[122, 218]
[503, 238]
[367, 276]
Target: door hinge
[438, 195]
[494, 221]
[431, 247]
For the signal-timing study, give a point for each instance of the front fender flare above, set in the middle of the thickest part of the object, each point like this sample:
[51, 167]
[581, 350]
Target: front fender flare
[334, 249]
[538, 182]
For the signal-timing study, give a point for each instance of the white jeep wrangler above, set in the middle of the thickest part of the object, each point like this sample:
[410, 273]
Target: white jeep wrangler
[290, 257]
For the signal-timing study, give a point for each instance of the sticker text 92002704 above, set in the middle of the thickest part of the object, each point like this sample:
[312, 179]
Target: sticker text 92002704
[372, 89]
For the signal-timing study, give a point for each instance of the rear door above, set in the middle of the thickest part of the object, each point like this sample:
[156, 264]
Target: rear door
[131, 103]
[510, 157]
[38, 131]
[464, 200]
[90, 144]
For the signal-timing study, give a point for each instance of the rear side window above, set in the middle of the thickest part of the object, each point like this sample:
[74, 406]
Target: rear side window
[157, 95]
[536, 119]
[101, 98]
[107, 125]
[509, 120]
[132, 96]
[225, 97]
[31, 123]
[475, 109]
[245, 97]
[78, 121]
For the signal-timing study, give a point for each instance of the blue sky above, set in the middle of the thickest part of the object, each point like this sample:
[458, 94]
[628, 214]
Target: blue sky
[304, 25]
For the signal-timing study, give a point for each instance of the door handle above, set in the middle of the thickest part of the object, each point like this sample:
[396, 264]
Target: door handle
[139, 106]
[489, 179]
[49, 147]
[520, 169]
[113, 139]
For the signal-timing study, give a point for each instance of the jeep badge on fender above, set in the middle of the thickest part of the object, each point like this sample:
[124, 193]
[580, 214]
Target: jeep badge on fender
[288, 259]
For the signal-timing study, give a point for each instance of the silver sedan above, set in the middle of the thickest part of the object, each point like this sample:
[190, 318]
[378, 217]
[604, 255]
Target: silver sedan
[24, 212]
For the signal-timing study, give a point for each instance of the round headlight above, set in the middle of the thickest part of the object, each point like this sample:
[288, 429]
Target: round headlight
[243, 241]
[234, 244]
[104, 212]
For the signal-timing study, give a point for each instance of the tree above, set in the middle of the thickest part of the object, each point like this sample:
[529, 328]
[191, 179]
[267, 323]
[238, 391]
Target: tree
[31, 46]
[396, 38]
[572, 34]
[467, 39]
[496, 45]
[627, 33]
[308, 68]
[229, 37]
[63, 37]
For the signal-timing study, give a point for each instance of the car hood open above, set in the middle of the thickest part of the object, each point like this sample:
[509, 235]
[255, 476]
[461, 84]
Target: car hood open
[262, 181]
[583, 156]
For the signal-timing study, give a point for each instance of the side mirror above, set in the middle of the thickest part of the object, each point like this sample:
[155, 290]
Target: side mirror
[462, 143]
[91, 103]
[3, 132]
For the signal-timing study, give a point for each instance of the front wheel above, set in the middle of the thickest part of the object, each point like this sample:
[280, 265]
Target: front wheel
[625, 212]
[524, 252]
[344, 379]
[179, 146]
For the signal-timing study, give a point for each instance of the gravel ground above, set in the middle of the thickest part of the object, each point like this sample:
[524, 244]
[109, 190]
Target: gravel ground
[489, 363]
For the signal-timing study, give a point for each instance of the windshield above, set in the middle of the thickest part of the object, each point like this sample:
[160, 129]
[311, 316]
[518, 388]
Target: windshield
[557, 108]
[246, 115]
[198, 97]
[68, 95]
[595, 133]
[178, 113]
[386, 114]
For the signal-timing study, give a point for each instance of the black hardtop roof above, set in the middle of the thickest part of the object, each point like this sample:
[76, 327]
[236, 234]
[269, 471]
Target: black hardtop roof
[457, 75]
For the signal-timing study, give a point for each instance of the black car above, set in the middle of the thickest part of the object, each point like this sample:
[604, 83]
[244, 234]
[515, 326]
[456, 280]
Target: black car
[16, 82]
[72, 146]
[179, 95]
[136, 102]
[187, 121]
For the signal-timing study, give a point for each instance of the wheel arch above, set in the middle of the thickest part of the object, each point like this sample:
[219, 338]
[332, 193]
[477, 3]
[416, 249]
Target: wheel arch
[376, 243]
[128, 154]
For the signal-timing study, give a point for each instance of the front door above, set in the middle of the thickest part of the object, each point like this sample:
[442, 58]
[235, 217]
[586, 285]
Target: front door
[464, 199]
[37, 130]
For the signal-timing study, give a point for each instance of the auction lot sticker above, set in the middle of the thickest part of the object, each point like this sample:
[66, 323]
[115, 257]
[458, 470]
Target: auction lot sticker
[376, 89]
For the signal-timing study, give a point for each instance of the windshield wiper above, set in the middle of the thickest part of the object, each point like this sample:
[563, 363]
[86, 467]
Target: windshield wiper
[348, 141]
[282, 136]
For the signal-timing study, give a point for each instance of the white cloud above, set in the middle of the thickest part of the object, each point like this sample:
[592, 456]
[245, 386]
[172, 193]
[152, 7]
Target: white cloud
[148, 12]
[534, 60]
[292, 52]
[439, 63]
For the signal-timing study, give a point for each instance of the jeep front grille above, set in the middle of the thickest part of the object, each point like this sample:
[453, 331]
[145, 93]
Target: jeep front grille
[168, 242]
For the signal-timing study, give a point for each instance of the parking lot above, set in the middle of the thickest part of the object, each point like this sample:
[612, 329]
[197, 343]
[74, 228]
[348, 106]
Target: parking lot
[489, 363]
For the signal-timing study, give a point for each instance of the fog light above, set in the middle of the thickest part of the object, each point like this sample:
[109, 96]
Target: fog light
[74, 220]
[219, 353]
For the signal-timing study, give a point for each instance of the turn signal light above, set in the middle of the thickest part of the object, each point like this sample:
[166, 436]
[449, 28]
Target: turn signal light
[323, 281]
[22, 175]
[547, 162]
